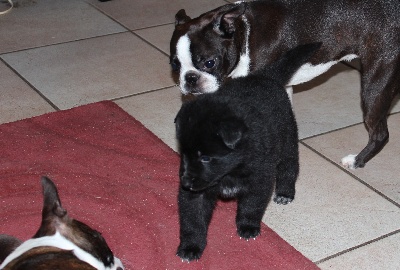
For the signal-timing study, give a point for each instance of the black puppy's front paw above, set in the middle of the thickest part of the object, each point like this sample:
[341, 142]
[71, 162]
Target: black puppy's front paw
[247, 231]
[281, 199]
[189, 253]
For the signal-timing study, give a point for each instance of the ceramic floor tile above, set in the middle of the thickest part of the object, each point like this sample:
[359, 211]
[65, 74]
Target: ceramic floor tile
[332, 211]
[159, 36]
[86, 71]
[383, 254]
[17, 99]
[329, 102]
[157, 111]
[383, 171]
[146, 13]
[47, 22]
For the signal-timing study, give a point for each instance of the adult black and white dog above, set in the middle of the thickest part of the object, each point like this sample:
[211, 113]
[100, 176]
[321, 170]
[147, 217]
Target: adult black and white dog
[233, 40]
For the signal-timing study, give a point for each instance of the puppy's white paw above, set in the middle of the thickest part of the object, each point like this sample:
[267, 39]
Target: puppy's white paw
[348, 161]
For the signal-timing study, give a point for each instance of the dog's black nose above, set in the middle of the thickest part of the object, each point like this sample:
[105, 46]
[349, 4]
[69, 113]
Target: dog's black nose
[187, 182]
[192, 78]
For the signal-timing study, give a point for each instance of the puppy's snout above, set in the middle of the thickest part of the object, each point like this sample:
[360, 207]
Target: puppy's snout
[192, 78]
[187, 182]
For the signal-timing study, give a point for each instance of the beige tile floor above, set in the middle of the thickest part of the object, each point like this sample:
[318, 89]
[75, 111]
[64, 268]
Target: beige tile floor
[57, 54]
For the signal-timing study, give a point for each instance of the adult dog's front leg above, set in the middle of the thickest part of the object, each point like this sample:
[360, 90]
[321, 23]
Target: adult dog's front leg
[195, 211]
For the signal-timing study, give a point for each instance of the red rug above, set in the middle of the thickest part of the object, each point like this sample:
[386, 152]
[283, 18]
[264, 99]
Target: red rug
[116, 176]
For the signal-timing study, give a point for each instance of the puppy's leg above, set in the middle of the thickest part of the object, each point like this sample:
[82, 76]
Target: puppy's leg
[377, 95]
[195, 211]
[287, 169]
[287, 173]
[251, 208]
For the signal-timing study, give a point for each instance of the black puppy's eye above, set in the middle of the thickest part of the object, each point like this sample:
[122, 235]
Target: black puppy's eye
[209, 63]
[205, 159]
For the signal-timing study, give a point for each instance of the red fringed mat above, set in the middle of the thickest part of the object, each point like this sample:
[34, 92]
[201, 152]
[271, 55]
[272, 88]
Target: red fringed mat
[116, 176]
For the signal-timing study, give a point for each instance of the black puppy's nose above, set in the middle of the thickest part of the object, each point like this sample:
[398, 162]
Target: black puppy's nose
[192, 78]
[186, 182]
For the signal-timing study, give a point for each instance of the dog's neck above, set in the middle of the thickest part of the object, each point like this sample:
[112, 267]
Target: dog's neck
[58, 241]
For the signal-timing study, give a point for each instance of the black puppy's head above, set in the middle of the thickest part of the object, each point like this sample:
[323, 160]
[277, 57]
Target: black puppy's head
[210, 138]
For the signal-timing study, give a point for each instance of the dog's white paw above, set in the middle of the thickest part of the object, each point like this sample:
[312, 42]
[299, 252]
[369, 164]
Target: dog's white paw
[348, 161]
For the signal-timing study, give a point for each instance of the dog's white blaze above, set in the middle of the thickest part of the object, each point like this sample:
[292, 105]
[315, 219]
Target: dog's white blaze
[58, 241]
[348, 161]
[307, 71]
[208, 82]
[243, 66]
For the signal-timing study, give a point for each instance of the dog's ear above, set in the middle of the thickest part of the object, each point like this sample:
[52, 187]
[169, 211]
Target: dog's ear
[52, 209]
[226, 22]
[52, 202]
[231, 132]
[181, 17]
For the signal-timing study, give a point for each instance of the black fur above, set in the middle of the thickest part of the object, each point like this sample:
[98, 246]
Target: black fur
[238, 143]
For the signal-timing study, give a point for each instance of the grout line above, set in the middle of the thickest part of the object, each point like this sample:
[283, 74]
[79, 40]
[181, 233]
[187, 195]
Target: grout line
[142, 93]
[148, 43]
[120, 23]
[63, 42]
[32, 86]
[341, 128]
[331, 131]
[105, 14]
[132, 31]
[357, 247]
[352, 175]
[152, 26]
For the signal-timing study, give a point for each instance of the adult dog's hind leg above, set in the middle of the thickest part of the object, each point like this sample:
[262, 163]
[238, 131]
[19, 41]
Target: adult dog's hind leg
[378, 91]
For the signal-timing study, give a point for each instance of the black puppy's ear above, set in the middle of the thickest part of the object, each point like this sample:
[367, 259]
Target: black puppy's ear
[231, 132]
[227, 20]
[181, 17]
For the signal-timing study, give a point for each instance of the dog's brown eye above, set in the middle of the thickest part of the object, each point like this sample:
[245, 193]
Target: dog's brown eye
[209, 63]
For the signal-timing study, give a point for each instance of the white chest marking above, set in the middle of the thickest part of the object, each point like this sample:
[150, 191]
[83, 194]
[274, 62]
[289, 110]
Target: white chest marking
[58, 241]
[307, 71]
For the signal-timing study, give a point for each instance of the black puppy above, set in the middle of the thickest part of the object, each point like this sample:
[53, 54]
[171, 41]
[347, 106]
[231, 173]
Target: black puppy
[238, 142]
